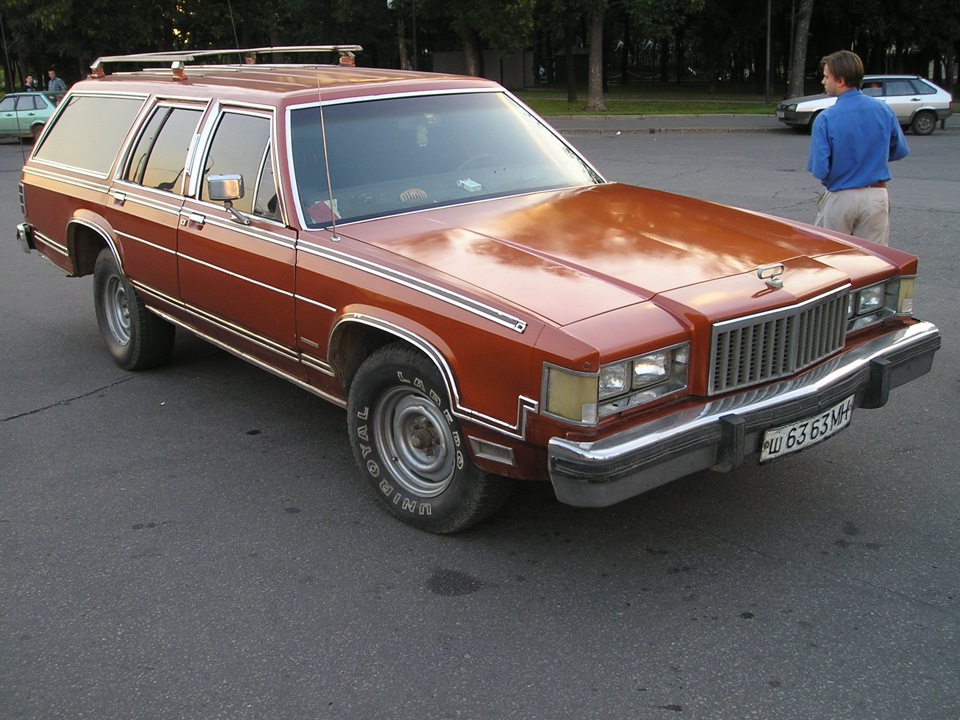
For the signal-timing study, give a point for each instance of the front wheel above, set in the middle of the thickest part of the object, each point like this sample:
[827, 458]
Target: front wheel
[136, 338]
[923, 123]
[411, 448]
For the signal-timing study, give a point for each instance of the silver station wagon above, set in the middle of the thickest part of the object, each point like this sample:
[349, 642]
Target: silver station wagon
[917, 103]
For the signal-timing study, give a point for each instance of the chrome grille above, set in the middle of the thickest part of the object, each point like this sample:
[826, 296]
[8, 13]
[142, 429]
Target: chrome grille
[754, 350]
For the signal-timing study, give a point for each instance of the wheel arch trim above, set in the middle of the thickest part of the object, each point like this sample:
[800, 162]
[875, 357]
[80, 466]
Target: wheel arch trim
[98, 225]
[515, 427]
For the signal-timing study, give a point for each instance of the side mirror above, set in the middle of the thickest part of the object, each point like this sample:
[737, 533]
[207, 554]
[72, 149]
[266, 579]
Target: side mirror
[224, 188]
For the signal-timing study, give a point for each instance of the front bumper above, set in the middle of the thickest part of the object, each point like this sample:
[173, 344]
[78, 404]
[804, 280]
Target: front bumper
[794, 118]
[721, 433]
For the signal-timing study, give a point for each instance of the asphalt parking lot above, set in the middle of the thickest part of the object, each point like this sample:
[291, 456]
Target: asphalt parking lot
[195, 541]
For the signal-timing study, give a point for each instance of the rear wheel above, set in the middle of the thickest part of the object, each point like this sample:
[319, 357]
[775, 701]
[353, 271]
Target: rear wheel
[135, 337]
[924, 123]
[411, 448]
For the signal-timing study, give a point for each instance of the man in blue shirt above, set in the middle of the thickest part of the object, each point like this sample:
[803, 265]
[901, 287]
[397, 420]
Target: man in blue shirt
[850, 146]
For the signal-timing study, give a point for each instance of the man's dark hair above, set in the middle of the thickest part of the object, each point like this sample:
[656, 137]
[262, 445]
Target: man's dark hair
[845, 64]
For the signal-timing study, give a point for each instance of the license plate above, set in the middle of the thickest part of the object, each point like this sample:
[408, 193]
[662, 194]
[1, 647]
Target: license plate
[781, 114]
[786, 439]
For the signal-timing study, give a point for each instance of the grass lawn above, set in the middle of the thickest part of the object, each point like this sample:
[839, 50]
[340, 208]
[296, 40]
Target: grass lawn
[657, 99]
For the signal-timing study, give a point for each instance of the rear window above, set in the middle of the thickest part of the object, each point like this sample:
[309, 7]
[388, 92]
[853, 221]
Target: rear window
[88, 132]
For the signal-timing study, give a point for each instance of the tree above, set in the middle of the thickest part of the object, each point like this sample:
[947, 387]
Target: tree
[798, 62]
[595, 71]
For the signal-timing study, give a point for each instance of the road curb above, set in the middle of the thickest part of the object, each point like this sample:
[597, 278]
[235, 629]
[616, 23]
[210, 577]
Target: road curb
[664, 131]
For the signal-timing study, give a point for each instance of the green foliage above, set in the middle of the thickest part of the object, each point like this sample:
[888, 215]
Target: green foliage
[714, 38]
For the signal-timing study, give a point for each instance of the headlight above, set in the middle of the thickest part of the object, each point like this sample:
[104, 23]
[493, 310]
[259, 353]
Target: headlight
[872, 304]
[584, 398]
[613, 380]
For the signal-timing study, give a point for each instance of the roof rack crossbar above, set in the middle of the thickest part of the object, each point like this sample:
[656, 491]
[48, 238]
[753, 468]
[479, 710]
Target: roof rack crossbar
[177, 58]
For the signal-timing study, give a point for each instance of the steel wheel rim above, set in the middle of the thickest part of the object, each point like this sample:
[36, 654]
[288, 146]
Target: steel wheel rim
[415, 440]
[116, 309]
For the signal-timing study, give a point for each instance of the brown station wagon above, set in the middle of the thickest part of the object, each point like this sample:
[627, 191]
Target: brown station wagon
[426, 252]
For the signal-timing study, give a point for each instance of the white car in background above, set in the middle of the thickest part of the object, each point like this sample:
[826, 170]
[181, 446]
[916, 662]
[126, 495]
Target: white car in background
[918, 103]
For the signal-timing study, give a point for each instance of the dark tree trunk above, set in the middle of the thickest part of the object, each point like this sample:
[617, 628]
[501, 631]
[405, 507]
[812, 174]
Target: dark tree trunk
[798, 63]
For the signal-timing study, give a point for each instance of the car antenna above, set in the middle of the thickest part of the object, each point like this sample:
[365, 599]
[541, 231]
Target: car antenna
[326, 161]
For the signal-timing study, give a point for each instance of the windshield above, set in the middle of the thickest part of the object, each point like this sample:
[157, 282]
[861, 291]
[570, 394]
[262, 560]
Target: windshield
[402, 154]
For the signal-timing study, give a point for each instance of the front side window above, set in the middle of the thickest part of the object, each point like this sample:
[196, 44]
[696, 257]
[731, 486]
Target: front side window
[241, 146]
[88, 131]
[160, 154]
[8, 104]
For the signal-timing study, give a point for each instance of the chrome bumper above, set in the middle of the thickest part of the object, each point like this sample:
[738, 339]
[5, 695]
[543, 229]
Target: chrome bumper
[25, 236]
[721, 433]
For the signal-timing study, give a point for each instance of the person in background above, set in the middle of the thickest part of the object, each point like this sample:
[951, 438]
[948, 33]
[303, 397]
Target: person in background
[851, 144]
[28, 84]
[54, 83]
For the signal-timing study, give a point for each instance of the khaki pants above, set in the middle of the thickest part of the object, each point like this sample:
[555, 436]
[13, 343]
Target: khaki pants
[864, 213]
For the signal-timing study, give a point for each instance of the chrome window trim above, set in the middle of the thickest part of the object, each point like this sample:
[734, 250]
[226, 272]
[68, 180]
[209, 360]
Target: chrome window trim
[217, 110]
[320, 103]
[143, 97]
[250, 231]
[139, 125]
[156, 199]
[66, 179]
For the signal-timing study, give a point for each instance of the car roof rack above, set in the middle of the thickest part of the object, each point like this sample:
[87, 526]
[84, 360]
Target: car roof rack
[178, 58]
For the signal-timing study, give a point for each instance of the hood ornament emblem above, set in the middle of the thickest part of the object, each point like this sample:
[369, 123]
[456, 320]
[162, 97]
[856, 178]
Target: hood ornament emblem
[771, 275]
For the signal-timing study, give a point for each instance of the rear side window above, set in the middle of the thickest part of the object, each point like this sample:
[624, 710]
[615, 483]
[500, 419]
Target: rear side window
[88, 132]
[160, 154]
[923, 88]
[899, 87]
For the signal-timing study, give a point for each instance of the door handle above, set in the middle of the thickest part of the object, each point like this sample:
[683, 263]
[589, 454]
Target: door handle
[197, 219]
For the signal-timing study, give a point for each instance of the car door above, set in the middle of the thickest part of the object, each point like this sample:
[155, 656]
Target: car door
[8, 116]
[147, 196]
[899, 94]
[237, 265]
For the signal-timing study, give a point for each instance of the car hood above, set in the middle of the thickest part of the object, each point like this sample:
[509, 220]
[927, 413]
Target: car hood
[570, 255]
[806, 98]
